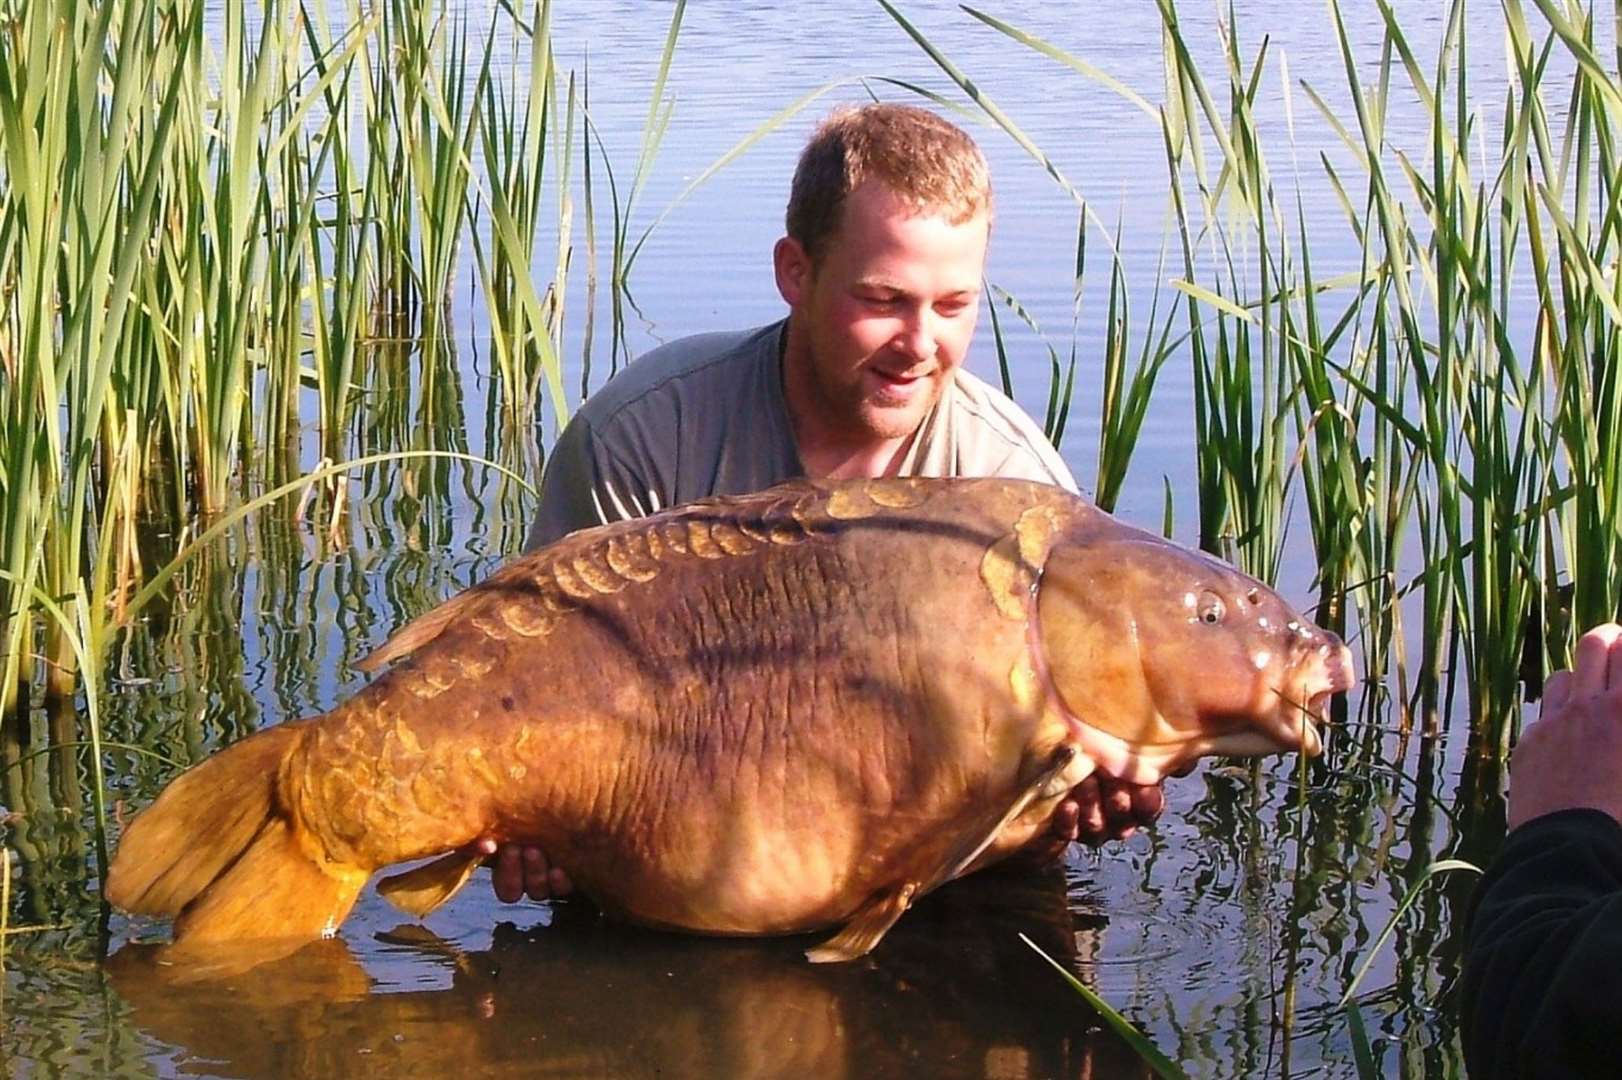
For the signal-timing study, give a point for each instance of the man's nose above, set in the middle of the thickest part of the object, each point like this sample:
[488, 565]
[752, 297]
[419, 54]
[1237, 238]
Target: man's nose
[917, 337]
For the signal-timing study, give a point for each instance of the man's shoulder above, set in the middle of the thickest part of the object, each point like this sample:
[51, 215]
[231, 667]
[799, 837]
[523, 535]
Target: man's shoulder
[996, 436]
[706, 362]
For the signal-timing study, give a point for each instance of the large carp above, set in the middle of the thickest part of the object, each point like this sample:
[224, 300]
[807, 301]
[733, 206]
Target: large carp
[752, 715]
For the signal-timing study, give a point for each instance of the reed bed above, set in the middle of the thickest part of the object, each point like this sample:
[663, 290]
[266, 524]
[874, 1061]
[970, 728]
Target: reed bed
[227, 257]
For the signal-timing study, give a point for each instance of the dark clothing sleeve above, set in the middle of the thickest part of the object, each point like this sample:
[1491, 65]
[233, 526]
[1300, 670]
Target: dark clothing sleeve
[1542, 987]
[585, 485]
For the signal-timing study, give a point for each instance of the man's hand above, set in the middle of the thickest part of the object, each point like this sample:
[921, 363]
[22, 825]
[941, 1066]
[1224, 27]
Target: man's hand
[517, 870]
[1572, 757]
[1099, 808]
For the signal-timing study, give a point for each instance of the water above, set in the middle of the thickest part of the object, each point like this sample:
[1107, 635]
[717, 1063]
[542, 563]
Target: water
[1226, 932]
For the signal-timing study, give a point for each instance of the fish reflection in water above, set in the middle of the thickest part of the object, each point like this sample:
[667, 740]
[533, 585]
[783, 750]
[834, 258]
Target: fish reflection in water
[951, 992]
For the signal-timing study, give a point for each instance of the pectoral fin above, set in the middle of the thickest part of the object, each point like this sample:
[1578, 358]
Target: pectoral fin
[867, 927]
[418, 892]
[1051, 781]
[873, 919]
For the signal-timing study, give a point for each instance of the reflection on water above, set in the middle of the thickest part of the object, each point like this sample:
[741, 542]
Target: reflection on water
[952, 991]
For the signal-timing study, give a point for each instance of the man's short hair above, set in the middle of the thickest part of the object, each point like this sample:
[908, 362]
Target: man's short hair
[921, 158]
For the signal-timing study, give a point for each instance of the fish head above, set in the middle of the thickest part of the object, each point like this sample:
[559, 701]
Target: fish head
[1160, 655]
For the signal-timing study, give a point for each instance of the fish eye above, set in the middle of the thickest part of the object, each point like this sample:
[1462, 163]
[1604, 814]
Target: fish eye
[1253, 597]
[1211, 610]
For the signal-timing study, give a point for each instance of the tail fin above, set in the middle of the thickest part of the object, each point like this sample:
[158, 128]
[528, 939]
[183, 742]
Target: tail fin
[216, 851]
[280, 890]
[200, 825]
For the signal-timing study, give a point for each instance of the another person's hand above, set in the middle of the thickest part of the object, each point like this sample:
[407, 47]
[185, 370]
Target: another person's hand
[519, 870]
[1572, 756]
[1098, 809]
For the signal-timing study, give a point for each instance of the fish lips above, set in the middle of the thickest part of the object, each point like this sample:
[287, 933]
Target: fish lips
[1328, 673]
[1301, 703]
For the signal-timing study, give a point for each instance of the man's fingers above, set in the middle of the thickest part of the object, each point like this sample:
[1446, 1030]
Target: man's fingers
[1117, 799]
[1148, 801]
[1592, 670]
[1087, 792]
[537, 874]
[1091, 824]
[1613, 666]
[1125, 802]
[518, 870]
[1065, 821]
[508, 874]
[1556, 692]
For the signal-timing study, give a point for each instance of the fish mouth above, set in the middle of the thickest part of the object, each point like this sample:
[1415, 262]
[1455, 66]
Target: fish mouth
[1301, 719]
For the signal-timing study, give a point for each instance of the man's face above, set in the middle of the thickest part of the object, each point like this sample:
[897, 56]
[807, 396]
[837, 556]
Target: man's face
[887, 315]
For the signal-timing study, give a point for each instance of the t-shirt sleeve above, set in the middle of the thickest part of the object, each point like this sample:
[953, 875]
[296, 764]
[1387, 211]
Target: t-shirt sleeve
[1037, 460]
[585, 485]
[1545, 943]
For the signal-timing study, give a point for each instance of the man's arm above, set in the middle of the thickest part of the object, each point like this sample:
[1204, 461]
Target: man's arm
[1540, 994]
[1545, 936]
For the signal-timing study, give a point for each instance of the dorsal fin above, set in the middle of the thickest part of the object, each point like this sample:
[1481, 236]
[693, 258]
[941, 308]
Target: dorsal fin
[428, 626]
[418, 632]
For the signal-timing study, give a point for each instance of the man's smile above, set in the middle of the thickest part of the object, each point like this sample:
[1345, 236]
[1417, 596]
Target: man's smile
[898, 386]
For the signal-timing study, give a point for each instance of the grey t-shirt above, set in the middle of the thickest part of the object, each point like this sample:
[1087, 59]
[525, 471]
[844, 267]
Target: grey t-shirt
[705, 415]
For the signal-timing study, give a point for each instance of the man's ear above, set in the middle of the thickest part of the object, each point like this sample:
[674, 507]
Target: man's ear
[793, 269]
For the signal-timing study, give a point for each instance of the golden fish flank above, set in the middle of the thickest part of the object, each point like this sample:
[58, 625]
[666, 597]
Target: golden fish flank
[475, 760]
[895, 493]
[420, 685]
[851, 504]
[1036, 529]
[730, 538]
[429, 792]
[569, 581]
[785, 533]
[628, 557]
[529, 619]
[701, 543]
[492, 626]
[1025, 686]
[553, 598]
[1008, 578]
[475, 666]
[627, 747]
[599, 575]
[409, 743]
[1011, 566]
[674, 534]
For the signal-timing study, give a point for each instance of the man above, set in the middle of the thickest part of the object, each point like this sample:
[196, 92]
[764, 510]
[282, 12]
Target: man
[1545, 936]
[887, 223]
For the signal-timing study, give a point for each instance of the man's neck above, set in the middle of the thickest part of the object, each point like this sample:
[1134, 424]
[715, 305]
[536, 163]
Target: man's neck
[836, 461]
